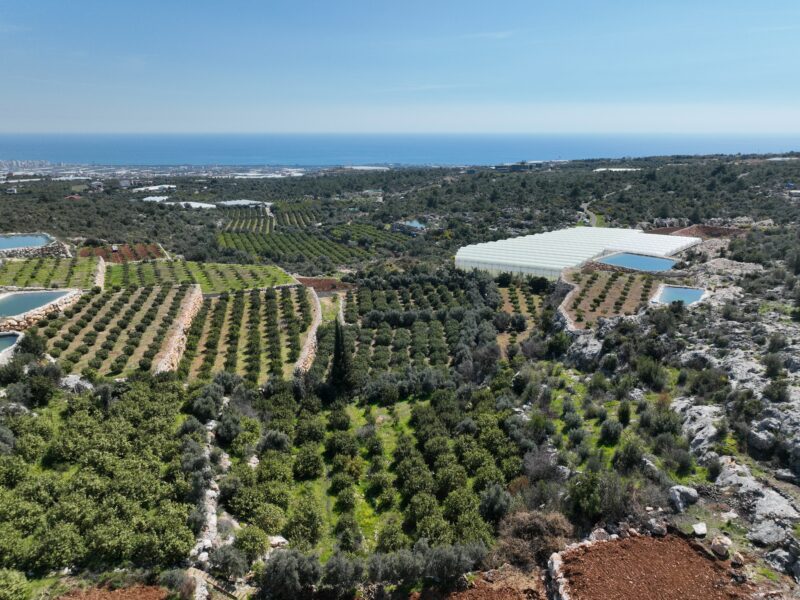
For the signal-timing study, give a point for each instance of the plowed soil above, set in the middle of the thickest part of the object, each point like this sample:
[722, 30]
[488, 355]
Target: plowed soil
[324, 284]
[138, 592]
[125, 253]
[506, 583]
[643, 567]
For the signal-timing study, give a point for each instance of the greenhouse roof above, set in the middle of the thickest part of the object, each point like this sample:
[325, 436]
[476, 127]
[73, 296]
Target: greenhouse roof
[547, 254]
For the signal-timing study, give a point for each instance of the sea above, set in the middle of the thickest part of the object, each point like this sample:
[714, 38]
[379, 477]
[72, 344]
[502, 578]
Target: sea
[322, 150]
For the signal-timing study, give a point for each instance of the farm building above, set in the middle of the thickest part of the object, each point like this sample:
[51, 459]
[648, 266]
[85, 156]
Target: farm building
[547, 254]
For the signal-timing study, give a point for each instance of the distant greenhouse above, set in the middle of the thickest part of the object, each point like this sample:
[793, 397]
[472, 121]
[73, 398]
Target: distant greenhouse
[547, 254]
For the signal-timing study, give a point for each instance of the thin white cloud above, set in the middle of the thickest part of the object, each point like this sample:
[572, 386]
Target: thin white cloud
[488, 35]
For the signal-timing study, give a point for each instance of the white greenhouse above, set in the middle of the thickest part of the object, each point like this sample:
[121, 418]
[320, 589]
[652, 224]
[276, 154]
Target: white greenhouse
[547, 254]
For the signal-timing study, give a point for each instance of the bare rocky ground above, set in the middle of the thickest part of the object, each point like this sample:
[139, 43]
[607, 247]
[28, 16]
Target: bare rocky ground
[754, 503]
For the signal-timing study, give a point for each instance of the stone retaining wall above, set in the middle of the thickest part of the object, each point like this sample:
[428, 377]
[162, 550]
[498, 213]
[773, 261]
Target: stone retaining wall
[54, 249]
[30, 318]
[169, 358]
[557, 584]
[591, 266]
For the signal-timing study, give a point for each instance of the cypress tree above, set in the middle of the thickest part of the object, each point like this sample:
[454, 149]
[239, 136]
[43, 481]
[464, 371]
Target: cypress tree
[342, 368]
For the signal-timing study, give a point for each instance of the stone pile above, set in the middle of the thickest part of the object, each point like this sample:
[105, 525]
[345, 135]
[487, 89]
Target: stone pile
[170, 357]
[309, 350]
[54, 249]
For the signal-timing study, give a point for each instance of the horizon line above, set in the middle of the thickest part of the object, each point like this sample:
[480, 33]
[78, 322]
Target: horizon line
[408, 133]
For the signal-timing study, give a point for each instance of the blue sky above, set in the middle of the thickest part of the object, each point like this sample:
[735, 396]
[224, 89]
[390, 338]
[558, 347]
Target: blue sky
[412, 66]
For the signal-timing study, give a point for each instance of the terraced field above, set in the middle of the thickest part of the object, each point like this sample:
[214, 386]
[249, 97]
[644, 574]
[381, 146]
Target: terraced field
[249, 219]
[522, 307]
[49, 272]
[214, 278]
[114, 332]
[124, 252]
[389, 333]
[606, 294]
[257, 334]
[289, 246]
[293, 215]
[365, 235]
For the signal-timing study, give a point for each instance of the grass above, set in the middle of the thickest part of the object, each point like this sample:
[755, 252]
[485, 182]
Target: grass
[49, 272]
[214, 278]
[330, 307]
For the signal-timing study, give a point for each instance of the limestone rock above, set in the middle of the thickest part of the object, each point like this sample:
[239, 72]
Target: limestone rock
[682, 496]
[763, 442]
[585, 351]
[699, 529]
[720, 546]
[75, 384]
[699, 424]
[780, 560]
[767, 533]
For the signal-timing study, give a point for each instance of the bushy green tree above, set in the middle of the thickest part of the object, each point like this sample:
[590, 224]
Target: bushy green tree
[13, 585]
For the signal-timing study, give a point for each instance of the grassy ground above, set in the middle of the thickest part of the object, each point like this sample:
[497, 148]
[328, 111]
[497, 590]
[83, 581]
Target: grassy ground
[49, 272]
[213, 278]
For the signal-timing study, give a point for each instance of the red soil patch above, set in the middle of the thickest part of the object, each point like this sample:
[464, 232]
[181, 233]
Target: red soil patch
[702, 231]
[643, 567]
[125, 253]
[137, 592]
[324, 284]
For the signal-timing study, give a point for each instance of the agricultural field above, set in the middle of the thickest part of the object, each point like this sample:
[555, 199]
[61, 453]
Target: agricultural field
[124, 253]
[249, 219]
[214, 278]
[521, 306]
[291, 246]
[407, 321]
[49, 272]
[295, 215]
[257, 334]
[373, 478]
[113, 332]
[607, 294]
[367, 235]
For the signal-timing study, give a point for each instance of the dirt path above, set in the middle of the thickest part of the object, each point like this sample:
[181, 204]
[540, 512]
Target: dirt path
[309, 350]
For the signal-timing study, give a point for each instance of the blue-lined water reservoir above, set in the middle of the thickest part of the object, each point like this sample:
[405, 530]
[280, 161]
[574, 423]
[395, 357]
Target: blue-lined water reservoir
[17, 303]
[7, 340]
[10, 242]
[638, 262]
[674, 293]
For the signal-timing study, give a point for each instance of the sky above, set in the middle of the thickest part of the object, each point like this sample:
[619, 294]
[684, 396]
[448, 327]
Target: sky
[528, 66]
